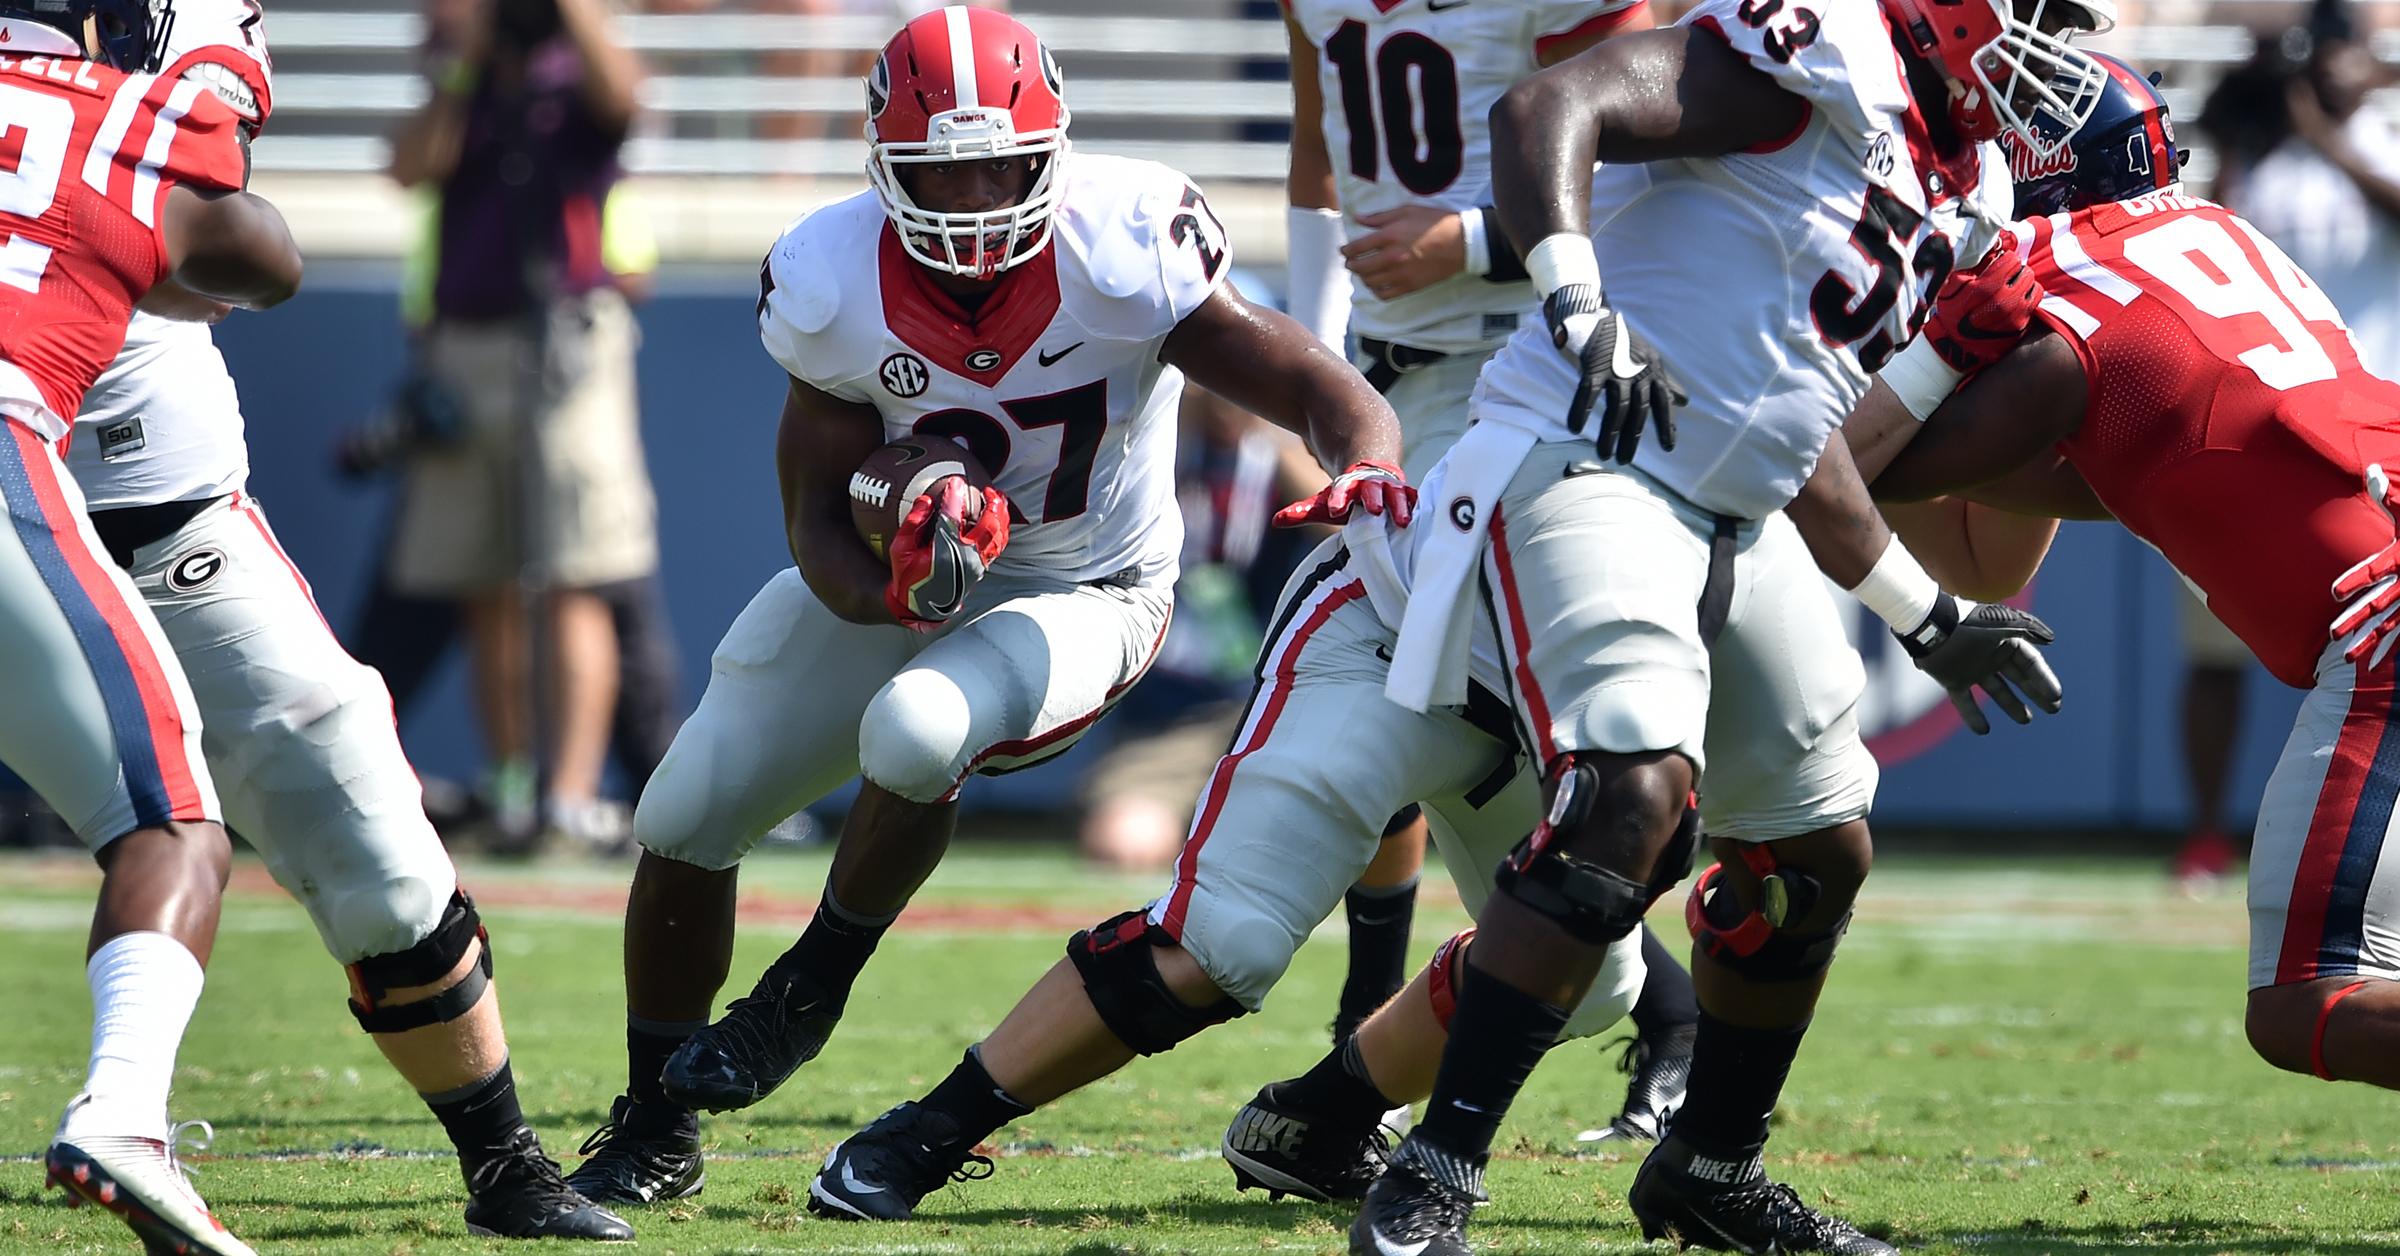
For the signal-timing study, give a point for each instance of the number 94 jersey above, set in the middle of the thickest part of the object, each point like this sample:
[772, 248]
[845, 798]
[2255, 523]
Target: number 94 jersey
[1776, 280]
[91, 154]
[1054, 383]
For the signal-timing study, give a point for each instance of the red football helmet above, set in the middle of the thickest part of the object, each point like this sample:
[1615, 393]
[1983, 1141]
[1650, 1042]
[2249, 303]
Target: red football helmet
[963, 84]
[2018, 76]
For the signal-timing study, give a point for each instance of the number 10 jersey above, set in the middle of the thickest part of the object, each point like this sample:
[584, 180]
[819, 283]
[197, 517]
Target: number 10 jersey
[1054, 384]
[1409, 87]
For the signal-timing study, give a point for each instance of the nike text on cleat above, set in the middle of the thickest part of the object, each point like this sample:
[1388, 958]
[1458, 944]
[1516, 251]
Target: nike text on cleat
[639, 1158]
[881, 1172]
[1286, 1150]
[1757, 1215]
[755, 1047]
[143, 1182]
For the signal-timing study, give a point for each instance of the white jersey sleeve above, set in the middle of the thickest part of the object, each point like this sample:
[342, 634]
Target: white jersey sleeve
[801, 289]
[223, 43]
[1149, 248]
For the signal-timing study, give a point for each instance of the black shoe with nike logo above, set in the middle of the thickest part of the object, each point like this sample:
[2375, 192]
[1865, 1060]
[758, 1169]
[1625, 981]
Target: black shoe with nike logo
[1732, 1207]
[1287, 1150]
[1420, 1206]
[882, 1171]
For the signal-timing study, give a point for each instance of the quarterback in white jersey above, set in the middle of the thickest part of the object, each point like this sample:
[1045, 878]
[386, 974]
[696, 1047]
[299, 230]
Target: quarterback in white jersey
[1784, 186]
[298, 735]
[1040, 308]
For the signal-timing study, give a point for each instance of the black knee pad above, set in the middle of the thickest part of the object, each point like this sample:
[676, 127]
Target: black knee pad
[430, 960]
[1118, 960]
[1754, 943]
[1593, 904]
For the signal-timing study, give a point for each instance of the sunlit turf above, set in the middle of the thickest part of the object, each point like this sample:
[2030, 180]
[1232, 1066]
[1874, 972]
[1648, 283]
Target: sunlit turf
[2012, 1058]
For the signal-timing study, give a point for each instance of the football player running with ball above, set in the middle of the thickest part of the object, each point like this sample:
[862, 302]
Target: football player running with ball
[299, 735]
[2189, 381]
[1818, 171]
[1403, 220]
[127, 187]
[1040, 309]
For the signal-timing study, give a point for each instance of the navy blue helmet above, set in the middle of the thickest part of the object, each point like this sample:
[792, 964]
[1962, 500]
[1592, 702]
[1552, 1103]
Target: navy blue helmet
[131, 34]
[2127, 149]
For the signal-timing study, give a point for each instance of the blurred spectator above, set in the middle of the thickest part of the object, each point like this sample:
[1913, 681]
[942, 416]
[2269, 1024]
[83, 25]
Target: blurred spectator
[540, 495]
[1233, 471]
[2316, 173]
[2212, 717]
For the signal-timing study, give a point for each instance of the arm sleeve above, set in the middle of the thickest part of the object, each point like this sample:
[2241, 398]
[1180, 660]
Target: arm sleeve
[1317, 286]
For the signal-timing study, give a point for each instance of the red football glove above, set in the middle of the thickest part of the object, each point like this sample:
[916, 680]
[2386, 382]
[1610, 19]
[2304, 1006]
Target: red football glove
[937, 557]
[1981, 314]
[2369, 588]
[1375, 487]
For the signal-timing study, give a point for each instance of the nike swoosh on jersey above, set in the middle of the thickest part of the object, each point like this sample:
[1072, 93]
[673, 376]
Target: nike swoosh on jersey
[1433, 6]
[1049, 359]
[1389, 1248]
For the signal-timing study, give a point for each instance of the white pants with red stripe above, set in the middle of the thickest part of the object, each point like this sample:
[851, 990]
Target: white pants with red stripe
[299, 734]
[800, 700]
[95, 713]
[1292, 814]
[2322, 901]
[1596, 574]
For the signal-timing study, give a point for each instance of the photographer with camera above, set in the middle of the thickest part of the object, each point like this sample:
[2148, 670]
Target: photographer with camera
[536, 491]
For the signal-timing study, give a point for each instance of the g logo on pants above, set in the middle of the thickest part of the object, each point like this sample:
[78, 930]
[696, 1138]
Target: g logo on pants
[195, 570]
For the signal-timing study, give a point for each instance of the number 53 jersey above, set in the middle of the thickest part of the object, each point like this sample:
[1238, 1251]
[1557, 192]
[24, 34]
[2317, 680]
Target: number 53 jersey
[1054, 382]
[1775, 280]
[87, 156]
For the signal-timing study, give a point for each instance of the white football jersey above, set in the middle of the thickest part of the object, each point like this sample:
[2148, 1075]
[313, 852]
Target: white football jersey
[163, 422]
[1055, 384]
[1409, 88]
[1776, 280]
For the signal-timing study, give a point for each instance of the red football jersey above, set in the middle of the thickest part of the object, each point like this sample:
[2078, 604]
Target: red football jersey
[87, 155]
[2229, 422]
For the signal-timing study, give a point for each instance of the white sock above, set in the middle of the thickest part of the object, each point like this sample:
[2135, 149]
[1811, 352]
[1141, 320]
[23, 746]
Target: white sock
[144, 987]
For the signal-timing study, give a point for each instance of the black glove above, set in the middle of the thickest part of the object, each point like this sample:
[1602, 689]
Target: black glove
[1964, 645]
[1619, 369]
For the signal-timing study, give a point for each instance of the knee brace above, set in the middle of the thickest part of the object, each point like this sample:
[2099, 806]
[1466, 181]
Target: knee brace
[1118, 960]
[1442, 975]
[427, 962]
[1753, 944]
[1593, 904]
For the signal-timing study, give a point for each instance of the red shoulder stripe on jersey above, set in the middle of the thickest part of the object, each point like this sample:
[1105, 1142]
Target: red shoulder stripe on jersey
[1597, 26]
[1808, 109]
[933, 323]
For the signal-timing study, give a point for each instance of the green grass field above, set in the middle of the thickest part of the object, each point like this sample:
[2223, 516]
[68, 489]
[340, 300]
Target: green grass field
[2012, 1059]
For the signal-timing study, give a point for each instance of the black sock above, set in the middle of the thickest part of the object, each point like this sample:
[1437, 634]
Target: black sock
[1379, 922]
[1496, 1037]
[970, 1097]
[1737, 1074]
[1668, 1004]
[1339, 1088]
[835, 946]
[648, 1044]
[481, 1117]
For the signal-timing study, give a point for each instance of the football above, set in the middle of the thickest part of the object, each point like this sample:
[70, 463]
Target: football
[893, 477]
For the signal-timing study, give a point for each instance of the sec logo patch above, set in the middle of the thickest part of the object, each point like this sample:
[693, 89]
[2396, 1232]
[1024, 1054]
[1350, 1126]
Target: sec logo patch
[905, 374]
[983, 360]
[194, 570]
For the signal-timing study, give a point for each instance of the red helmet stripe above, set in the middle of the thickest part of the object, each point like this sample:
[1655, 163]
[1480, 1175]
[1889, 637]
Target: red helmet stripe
[962, 58]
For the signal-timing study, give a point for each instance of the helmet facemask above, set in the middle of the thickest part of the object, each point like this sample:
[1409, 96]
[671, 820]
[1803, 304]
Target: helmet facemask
[2033, 81]
[977, 245]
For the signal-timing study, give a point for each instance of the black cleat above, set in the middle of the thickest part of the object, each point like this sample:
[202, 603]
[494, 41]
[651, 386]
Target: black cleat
[520, 1195]
[1758, 1216]
[1286, 1150]
[634, 1161]
[763, 1037]
[880, 1172]
[1419, 1207]
[1659, 1070]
